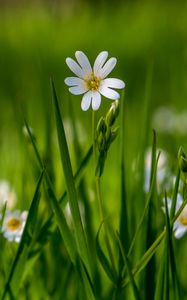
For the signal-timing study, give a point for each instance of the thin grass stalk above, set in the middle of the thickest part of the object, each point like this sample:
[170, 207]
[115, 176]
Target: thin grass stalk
[149, 196]
[25, 243]
[174, 196]
[150, 234]
[126, 261]
[123, 226]
[153, 248]
[106, 232]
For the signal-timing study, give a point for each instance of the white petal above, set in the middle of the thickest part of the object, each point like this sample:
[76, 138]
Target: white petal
[84, 63]
[86, 100]
[99, 62]
[108, 93]
[24, 215]
[180, 231]
[74, 67]
[78, 89]
[114, 83]
[72, 81]
[108, 67]
[96, 100]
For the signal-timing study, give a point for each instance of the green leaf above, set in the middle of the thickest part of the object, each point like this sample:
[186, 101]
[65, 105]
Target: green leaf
[70, 185]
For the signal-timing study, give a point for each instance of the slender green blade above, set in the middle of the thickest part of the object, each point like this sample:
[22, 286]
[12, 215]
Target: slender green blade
[17, 269]
[124, 236]
[56, 207]
[144, 214]
[130, 275]
[2, 215]
[104, 261]
[70, 184]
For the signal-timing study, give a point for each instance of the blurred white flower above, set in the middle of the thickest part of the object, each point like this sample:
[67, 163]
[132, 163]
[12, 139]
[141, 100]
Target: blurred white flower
[161, 169]
[7, 194]
[180, 225]
[176, 121]
[13, 225]
[92, 82]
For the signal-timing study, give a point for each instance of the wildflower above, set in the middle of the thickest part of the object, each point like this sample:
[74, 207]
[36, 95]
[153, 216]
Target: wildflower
[92, 82]
[13, 225]
[7, 195]
[180, 225]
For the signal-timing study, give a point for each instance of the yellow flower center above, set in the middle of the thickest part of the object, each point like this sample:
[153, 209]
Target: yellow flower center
[92, 82]
[13, 224]
[183, 220]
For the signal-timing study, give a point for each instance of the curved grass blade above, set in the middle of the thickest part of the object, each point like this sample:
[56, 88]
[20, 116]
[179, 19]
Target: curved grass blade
[127, 263]
[70, 185]
[151, 251]
[149, 197]
[17, 268]
[111, 273]
[55, 205]
[2, 215]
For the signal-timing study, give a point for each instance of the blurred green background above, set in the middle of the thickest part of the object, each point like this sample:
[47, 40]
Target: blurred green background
[35, 39]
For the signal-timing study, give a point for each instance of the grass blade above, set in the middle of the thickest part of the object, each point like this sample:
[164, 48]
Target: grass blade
[16, 271]
[55, 205]
[123, 231]
[126, 261]
[104, 261]
[70, 185]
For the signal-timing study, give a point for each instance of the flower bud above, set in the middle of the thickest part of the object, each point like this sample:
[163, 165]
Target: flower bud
[182, 160]
[112, 113]
[181, 152]
[183, 164]
[108, 134]
[101, 126]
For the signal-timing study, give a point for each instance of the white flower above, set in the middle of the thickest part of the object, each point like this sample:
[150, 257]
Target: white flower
[13, 225]
[7, 195]
[180, 225]
[92, 82]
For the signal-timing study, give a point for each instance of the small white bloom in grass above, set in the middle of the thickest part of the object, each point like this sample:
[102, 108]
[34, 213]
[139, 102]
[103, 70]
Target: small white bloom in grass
[13, 225]
[180, 225]
[92, 82]
[7, 195]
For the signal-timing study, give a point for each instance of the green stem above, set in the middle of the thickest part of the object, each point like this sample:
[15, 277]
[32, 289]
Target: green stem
[98, 190]
[93, 135]
[101, 210]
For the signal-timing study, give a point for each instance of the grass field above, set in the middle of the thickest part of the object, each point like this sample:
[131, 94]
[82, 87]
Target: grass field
[122, 246]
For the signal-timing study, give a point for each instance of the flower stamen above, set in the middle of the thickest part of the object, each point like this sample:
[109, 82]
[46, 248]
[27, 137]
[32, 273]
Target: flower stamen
[92, 82]
[183, 220]
[13, 224]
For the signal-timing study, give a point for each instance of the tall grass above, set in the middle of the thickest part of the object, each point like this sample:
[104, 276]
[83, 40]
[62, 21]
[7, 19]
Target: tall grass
[93, 231]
